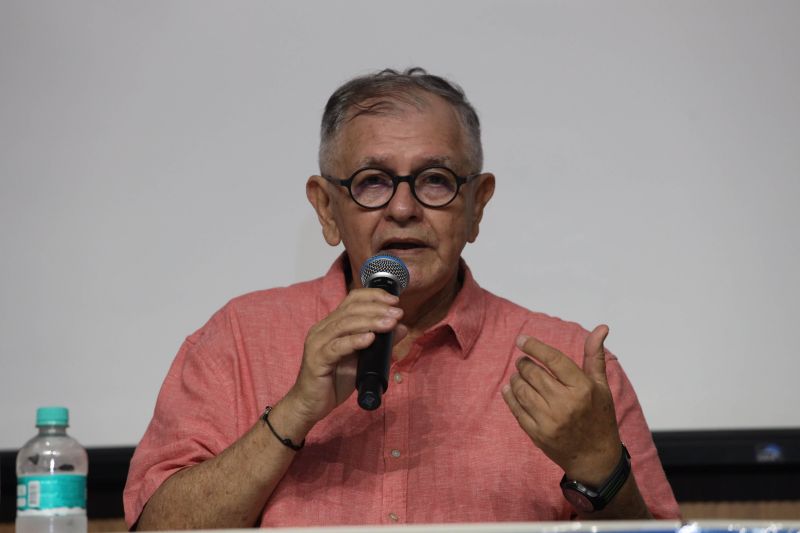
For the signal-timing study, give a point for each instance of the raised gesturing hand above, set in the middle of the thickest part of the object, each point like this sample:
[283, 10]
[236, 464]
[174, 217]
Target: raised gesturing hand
[566, 410]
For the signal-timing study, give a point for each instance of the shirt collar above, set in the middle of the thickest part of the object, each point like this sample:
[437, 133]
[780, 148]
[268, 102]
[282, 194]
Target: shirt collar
[334, 285]
[464, 318]
[466, 314]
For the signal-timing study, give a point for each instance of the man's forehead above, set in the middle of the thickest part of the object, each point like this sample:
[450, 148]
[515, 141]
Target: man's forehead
[440, 123]
[387, 160]
[395, 104]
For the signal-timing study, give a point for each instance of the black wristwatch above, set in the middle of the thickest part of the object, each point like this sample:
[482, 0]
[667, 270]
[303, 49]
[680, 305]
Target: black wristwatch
[587, 500]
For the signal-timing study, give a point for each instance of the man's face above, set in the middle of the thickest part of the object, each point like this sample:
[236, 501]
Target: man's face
[428, 240]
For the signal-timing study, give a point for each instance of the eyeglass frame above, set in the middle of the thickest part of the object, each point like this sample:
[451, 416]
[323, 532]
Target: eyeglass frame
[397, 180]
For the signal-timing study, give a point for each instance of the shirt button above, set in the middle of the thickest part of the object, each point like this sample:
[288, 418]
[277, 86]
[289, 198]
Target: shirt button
[398, 377]
[395, 453]
[393, 517]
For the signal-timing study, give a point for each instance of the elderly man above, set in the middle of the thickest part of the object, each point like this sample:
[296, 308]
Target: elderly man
[494, 413]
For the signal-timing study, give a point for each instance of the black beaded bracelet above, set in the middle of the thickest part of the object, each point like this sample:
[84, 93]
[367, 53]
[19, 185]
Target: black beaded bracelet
[286, 442]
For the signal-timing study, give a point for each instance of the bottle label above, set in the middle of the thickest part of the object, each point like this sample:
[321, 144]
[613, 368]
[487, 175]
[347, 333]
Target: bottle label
[51, 492]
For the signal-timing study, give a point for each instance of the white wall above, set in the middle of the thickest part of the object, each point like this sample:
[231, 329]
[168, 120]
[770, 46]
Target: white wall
[153, 157]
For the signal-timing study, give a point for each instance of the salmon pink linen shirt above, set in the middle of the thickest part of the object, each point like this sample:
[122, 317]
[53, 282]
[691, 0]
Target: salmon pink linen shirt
[443, 446]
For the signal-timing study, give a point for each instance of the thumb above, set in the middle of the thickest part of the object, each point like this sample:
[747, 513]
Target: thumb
[594, 354]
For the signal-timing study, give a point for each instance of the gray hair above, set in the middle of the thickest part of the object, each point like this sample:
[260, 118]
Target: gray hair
[387, 86]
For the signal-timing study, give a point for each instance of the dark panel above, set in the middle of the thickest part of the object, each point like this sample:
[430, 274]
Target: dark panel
[728, 447]
[746, 483]
[8, 486]
[731, 465]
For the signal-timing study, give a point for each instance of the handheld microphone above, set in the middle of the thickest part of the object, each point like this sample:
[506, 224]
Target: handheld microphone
[389, 273]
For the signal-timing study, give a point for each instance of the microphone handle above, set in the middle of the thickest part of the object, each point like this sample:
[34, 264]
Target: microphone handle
[372, 374]
[373, 371]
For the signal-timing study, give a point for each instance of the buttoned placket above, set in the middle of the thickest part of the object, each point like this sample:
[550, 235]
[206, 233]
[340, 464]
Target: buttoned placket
[396, 441]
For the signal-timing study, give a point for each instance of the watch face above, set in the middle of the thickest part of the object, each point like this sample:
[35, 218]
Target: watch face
[587, 500]
[578, 500]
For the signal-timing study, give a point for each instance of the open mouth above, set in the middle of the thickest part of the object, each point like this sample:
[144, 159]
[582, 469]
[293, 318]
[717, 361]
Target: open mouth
[390, 246]
[402, 246]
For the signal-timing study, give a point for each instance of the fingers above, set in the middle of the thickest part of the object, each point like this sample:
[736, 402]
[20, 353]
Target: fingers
[559, 365]
[594, 354]
[340, 346]
[566, 410]
[537, 378]
[361, 319]
[369, 299]
[525, 420]
[352, 325]
[363, 311]
[530, 395]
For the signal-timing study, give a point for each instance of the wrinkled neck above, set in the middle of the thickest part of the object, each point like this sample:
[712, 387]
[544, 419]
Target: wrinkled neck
[421, 311]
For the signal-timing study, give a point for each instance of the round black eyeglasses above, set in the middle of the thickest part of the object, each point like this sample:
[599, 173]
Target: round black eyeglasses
[373, 188]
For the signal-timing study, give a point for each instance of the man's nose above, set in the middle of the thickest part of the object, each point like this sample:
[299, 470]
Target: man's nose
[403, 206]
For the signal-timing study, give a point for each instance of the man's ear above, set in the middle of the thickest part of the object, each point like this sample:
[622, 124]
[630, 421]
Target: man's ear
[484, 190]
[318, 194]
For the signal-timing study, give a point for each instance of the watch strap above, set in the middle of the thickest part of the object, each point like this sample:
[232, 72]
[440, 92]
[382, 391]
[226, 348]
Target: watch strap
[602, 496]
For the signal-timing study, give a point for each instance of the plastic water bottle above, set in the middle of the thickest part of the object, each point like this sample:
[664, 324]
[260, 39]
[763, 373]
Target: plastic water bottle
[51, 478]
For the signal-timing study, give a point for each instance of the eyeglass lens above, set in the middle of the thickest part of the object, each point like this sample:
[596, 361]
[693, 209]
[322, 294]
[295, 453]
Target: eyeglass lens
[432, 186]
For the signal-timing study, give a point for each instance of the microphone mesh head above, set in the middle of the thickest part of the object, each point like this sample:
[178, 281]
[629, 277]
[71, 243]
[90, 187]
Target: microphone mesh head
[385, 265]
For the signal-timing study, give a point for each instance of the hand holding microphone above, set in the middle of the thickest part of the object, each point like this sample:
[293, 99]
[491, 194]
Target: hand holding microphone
[331, 351]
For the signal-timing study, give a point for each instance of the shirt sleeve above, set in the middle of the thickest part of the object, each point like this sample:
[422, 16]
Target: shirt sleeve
[636, 436]
[194, 417]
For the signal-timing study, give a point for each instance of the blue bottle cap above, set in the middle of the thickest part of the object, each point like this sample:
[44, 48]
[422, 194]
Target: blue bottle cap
[52, 416]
